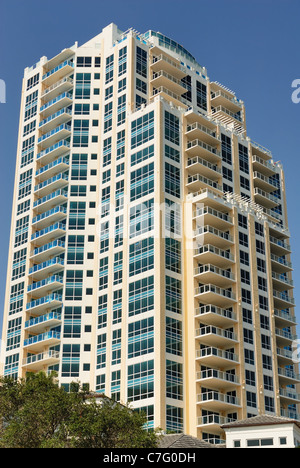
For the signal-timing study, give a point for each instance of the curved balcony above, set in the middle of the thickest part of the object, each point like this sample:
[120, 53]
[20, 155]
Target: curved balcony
[41, 288]
[49, 217]
[212, 274]
[50, 267]
[37, 362]
[53, 106]
[57, 73]
[52, 169]
[56, 119]
[39, 324]
[214, 336]
[59, 133]
[215, 357]
[217, 401]
[213, 315]
[48, 234]
[49, 201]
[36, 343]
[209, 254]
[38, 306]
[41, 254]
[61, 86]
[48, 155]
[51, 185]
[216, 379]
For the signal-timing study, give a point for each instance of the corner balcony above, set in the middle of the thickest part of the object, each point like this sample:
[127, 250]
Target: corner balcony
[284, 337]
[198, 165]
[217, 401]
[39, 306]
[213, 315]
[264, 183]
[47, 202]
[284, 357]
[170, 66]
[288, 376]
[37, 362]
[211, 217]
[49, 217]
[60, 117]
[43, 287]
[289, 396]
[197, 131]
[282, 300]
[37, 343]
[280, 247]
[266, 168]
[50, 154]
[59, 133]
[45, 269]
[213, 422]
[215, 379]
[266, 199]
[280, 264]
[199, 148]
[222, 99]
[57, 73]
[165, 80]
[281, 282]
[196, 182]
[39, 324]
[284, 319]
[214, 357]
[223, 114]
[216, 237]
[214, 336]
[209, 254]
[52, 169]
[48, 234]
[212, 274]
[52, 249]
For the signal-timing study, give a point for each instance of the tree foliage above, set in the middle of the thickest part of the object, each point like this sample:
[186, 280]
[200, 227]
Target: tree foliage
[36, 413]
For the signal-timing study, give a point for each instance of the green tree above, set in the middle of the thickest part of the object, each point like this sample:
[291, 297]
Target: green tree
[36, 413]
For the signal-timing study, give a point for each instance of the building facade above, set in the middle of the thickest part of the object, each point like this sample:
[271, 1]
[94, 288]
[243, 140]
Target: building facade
[149, 256]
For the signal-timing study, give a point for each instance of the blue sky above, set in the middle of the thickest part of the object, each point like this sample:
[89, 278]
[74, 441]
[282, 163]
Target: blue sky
[249, 46]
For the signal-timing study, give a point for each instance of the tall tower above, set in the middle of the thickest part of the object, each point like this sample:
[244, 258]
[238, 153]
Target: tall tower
[149, 256]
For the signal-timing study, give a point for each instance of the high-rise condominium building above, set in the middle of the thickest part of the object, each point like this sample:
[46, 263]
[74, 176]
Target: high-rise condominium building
[149, 256]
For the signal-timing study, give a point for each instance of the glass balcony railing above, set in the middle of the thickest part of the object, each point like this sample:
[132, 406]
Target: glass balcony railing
[48, 214]
[48, 263]
[59, 67]
[49, 246]
[53, 132]
[50, 197]
[44, 300]
[63, 176]
[53, 227]
[60, 144]
[65, 110]
[52, 165]
[43, 319]
[43, 337]
[55, 100]
[52, 279]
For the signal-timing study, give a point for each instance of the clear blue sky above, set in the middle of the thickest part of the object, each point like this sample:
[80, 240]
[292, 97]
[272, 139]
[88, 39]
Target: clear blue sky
[251, 46]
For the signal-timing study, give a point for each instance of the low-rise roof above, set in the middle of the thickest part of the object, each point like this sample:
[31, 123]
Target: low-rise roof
[183, 441]
[261, 420]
